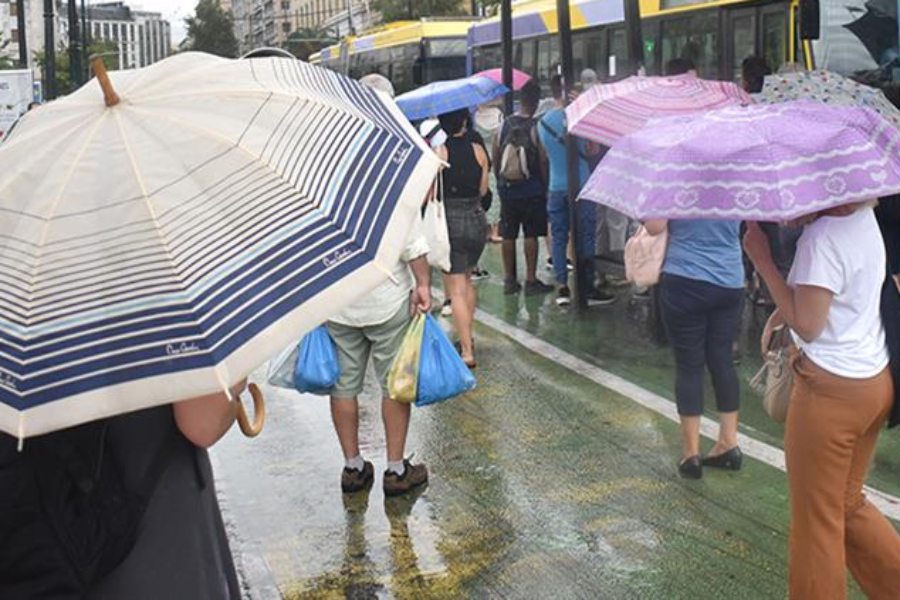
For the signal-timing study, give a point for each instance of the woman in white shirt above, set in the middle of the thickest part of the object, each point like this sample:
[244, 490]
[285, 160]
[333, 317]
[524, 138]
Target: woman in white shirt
[843, 393]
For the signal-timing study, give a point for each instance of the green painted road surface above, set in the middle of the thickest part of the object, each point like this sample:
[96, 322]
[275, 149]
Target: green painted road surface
[544, 484]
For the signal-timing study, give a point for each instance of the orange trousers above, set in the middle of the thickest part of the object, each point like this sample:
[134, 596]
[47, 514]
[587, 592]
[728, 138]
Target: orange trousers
[832, 426]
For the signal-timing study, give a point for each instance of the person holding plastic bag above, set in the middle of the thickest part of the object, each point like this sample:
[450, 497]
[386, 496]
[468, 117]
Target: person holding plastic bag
[373, 328]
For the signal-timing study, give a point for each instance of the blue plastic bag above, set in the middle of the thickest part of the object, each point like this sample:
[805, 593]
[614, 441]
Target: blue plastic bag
[442, 373]
[317, 369]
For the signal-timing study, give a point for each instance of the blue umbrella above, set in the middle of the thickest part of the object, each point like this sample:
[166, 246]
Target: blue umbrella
[447, 96]
[167, 246]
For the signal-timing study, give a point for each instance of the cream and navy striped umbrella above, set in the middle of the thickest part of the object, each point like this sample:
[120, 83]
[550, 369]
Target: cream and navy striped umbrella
[166, 246]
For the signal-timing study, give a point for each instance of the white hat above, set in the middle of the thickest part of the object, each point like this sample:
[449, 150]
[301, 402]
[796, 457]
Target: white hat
[432, 128]
[379, 82]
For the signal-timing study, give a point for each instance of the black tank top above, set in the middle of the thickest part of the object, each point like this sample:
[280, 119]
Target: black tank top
[463, 178]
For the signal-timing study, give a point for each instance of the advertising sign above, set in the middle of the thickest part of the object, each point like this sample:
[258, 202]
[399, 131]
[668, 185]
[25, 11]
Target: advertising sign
[16, 93]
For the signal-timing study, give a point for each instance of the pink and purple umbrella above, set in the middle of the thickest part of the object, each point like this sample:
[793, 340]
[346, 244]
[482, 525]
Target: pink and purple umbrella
[608, 112]
[519, 78]
[757, 163]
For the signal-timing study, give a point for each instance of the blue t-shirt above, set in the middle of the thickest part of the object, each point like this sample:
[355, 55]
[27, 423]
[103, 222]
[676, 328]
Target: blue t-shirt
[706, 250]
[556, 151]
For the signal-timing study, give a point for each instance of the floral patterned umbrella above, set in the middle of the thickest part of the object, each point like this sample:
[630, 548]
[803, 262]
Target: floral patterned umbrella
[826, 87]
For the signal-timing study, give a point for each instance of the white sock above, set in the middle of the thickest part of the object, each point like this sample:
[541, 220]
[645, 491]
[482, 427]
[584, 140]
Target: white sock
[356, 463]
[397, 467]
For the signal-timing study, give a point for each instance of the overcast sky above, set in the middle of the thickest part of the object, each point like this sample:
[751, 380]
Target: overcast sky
[173, 10]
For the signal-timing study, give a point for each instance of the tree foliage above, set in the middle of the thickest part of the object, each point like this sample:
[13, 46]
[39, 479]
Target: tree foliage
[211, 29]
[108, 49]
[6, 61]
[398, 10]
[309, 40]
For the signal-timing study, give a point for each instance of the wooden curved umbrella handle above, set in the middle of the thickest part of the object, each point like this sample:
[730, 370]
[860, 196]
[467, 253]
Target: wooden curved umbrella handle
[251, 430]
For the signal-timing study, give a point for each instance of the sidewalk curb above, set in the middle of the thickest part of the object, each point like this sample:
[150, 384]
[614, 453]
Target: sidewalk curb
[770, 455]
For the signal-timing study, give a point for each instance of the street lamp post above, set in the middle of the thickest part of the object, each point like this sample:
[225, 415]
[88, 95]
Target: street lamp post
[49, 51]
[573, 159]
[634, 38]
[75, 71]
[506, 35]
[23, 37]
[85, 43]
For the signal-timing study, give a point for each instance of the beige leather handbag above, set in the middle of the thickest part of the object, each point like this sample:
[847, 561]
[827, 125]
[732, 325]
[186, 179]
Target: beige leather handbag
[775, 380]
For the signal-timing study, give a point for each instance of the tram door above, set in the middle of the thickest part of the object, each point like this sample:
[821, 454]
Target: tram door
[756, 31]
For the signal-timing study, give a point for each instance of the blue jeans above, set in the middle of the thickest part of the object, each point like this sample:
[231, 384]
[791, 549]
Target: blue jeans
[558, 211]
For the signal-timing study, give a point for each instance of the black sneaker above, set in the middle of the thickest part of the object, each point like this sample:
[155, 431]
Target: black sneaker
[354, 480]
[563, 296]
[511, 286]
[600, 298]
[533, 288]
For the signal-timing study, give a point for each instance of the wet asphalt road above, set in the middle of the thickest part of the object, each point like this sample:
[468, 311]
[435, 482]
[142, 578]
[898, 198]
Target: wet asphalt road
[543, 485]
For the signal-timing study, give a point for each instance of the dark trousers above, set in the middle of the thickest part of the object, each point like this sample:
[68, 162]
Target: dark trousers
[702, 321]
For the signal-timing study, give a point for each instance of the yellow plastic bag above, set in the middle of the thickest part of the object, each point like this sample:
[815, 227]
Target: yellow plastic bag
[403, 378]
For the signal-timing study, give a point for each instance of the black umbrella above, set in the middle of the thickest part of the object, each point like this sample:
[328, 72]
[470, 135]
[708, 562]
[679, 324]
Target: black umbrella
[877, 28]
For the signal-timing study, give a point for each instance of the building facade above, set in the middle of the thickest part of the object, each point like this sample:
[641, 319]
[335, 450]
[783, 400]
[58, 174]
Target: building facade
[259, 23]
[34, 30]
[142, 37]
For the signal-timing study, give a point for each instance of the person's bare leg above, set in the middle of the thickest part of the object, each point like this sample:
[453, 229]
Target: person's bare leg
[690, 436]
[509, 259]
[462, 318]
[395, 416]
[345, 416]
[472, 298]
[728, 433]
[446, 285]
[531, 259]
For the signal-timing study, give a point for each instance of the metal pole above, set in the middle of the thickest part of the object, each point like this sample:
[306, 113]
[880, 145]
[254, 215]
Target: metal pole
[74, 44]
[85, 43]
[23, 37]
[49, 51]
[634, 39]
[350, 29]
[573, 160]
[506, 42]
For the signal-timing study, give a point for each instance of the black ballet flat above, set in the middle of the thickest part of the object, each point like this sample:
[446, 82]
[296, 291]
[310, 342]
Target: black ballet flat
[691, 468]
[731, 460]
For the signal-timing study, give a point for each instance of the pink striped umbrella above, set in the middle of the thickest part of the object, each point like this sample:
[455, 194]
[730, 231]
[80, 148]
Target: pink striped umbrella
[519, 78]
[606, 113]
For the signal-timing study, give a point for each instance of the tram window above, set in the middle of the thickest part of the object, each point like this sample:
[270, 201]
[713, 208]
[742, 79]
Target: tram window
[695, 38]
[595, 55]
[774, 39]
[618, 54]
[401, 67]
[651, 41]
[448, 47]
[579, 54]
[528, 62]
[743, 29]
[543, 61]
[487, 57]
[554, 55]
[442, 68]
